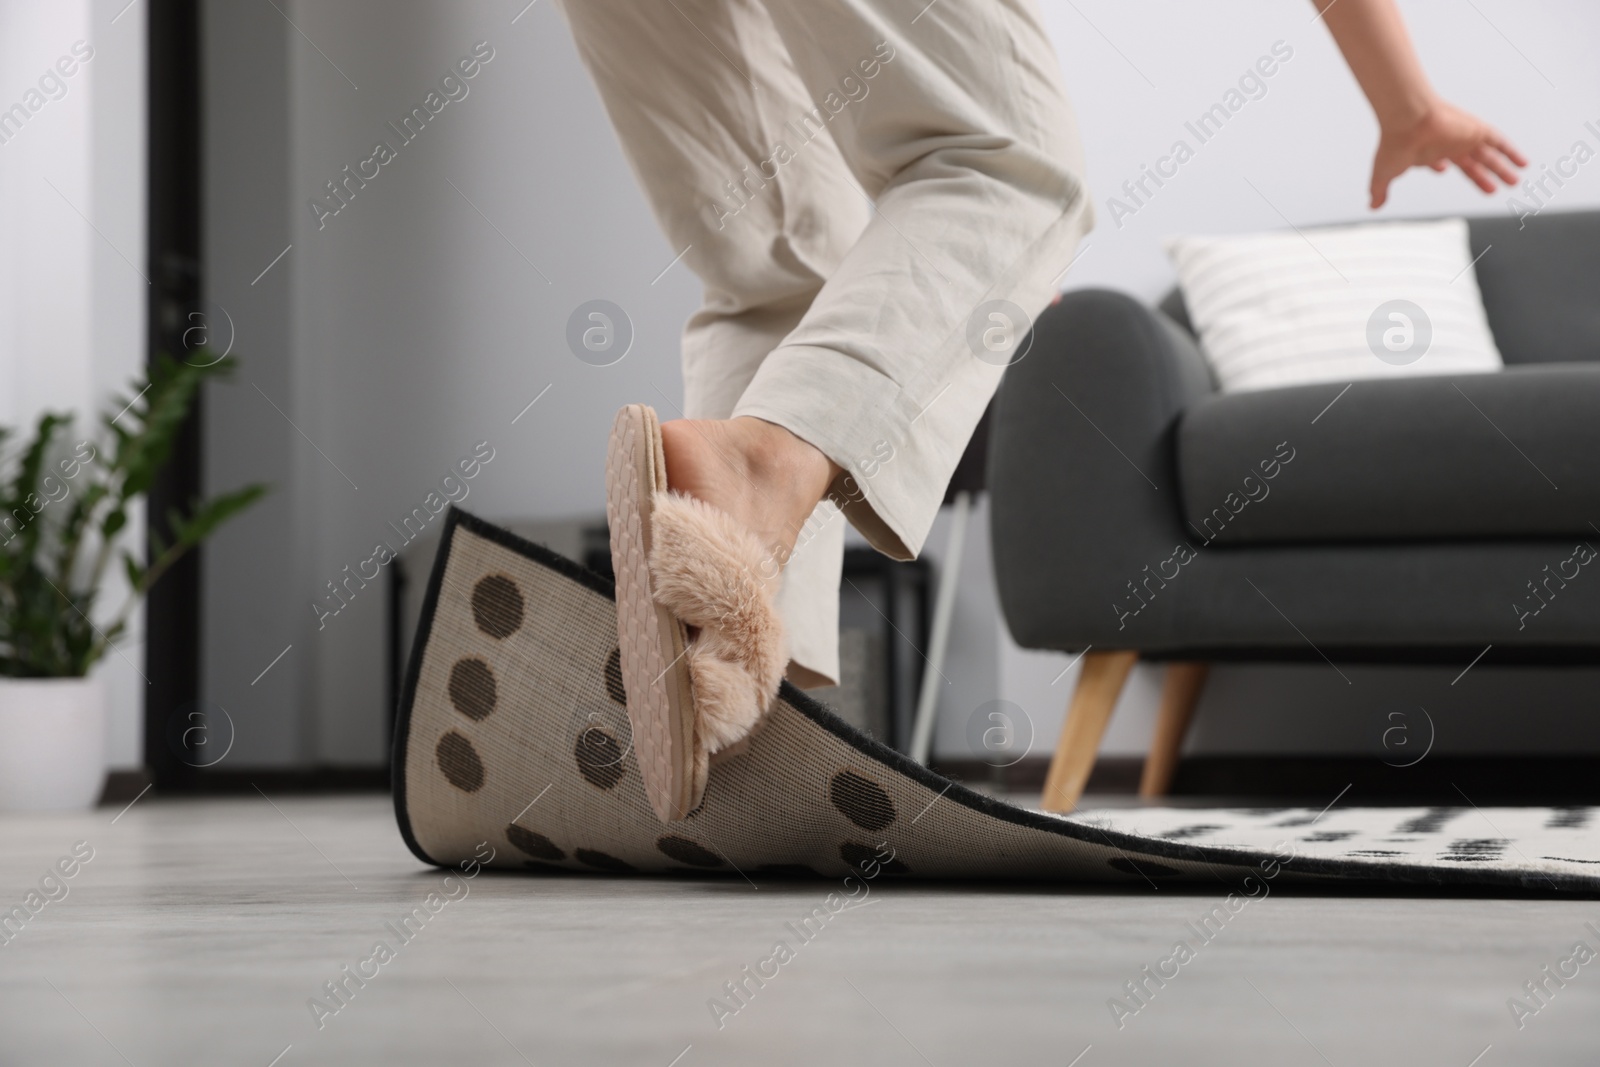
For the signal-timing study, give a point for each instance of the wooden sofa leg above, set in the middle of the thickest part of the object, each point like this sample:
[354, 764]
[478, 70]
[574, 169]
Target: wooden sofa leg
[1179, 695]
[1099, 684]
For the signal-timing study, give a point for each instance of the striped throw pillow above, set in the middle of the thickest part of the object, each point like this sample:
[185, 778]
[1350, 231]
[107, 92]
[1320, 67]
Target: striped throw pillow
[1336, 304]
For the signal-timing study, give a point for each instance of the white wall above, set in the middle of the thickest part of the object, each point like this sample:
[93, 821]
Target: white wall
[413, 324]
[406, 329]
[425, 327]
[1307, 144]
[72, 253]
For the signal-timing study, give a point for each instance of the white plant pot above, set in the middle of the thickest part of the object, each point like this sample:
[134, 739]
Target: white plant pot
[52, 743]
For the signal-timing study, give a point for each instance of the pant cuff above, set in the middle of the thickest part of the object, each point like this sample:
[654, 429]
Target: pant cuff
[860, 419]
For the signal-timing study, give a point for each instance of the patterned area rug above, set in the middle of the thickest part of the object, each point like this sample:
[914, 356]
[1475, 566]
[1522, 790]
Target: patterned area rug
[513, 733]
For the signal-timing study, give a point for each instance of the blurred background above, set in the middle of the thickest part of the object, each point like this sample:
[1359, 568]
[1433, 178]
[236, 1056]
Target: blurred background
[180, 188]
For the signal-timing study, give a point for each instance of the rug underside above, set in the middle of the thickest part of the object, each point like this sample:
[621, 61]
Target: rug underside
[513, 733]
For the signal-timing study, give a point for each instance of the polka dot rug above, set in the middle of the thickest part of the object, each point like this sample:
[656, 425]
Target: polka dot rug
[513, 730]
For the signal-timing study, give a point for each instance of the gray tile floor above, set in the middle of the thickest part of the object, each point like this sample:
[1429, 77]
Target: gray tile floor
[200, 930]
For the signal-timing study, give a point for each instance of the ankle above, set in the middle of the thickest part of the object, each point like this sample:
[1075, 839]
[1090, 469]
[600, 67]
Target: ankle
[777, 457]
[756, 471]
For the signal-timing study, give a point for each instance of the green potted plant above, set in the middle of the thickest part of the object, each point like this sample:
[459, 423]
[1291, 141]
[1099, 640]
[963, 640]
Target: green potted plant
[62, 513]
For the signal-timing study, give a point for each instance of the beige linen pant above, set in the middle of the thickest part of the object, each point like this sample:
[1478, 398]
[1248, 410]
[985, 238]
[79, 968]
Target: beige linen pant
[856, 182]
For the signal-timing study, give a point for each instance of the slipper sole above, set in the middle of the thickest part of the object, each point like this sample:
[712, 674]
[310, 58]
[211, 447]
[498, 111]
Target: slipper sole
[651, 640]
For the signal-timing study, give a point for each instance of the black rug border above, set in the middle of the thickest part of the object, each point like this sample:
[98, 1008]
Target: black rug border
[1386, 873]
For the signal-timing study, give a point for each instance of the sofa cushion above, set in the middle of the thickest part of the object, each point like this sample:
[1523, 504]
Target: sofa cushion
[1537, 276]
[1511, 454]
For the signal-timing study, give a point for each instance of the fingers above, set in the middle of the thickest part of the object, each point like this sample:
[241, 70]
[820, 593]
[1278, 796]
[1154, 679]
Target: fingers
[1475, 171]
[1387, 165]
[1507, 149]
[1383, 173]
[1496, 161]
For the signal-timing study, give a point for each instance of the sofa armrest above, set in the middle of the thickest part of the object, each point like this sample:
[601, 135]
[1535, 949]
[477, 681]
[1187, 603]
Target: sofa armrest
[1082, 472]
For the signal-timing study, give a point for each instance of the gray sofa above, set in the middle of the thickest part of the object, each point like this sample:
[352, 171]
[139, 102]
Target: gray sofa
[1137, 511]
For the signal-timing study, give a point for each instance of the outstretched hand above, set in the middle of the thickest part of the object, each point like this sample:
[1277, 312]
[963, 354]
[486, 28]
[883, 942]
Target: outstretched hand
[1444, 135]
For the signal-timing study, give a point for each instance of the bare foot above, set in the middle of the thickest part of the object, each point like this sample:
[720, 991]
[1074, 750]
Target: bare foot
[768, 479]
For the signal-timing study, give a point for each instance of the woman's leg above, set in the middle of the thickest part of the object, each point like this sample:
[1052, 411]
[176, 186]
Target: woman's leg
[952, 119]
[746, 123]
[700, 92]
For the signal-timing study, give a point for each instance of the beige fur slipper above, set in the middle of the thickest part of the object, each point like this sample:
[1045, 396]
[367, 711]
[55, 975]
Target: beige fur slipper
[707, 571]
[682, 563]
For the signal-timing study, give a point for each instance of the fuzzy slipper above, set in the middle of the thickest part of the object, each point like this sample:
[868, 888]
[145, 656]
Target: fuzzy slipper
[681, 563]
[708, 572]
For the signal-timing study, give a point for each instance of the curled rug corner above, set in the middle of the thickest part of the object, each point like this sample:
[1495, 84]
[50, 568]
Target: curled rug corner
[513, 730]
